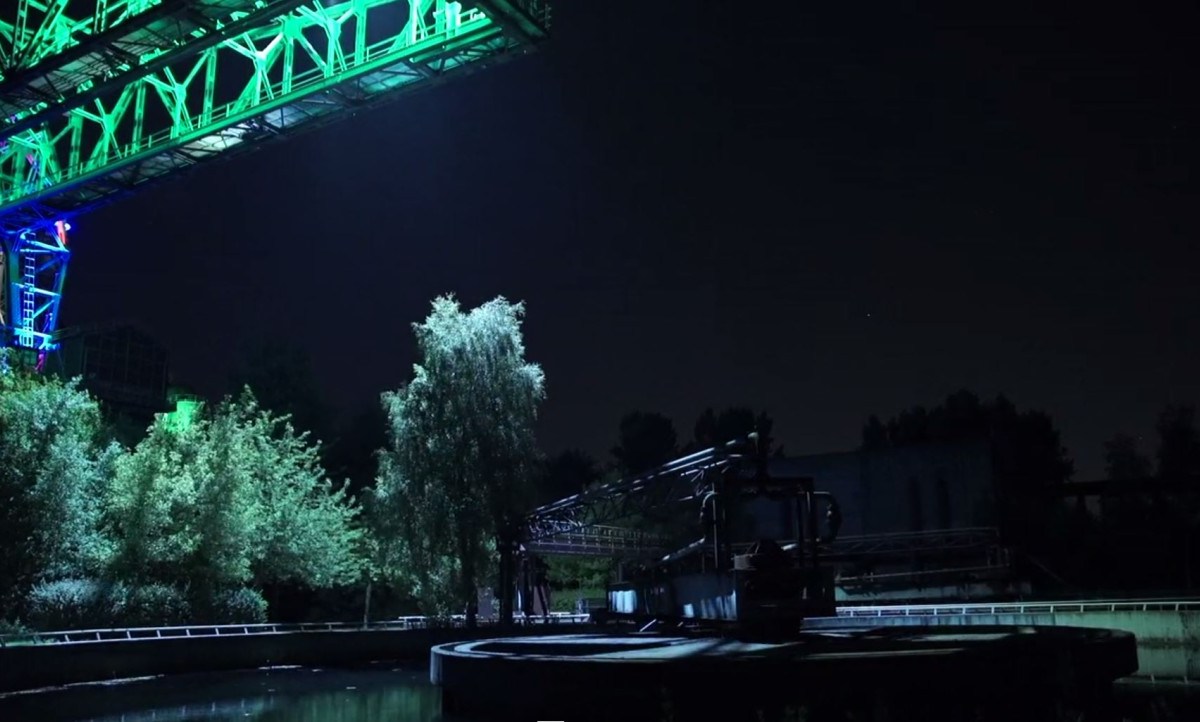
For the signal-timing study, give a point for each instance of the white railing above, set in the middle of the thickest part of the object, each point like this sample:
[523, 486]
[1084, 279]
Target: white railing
[84, 636]
[934, 610]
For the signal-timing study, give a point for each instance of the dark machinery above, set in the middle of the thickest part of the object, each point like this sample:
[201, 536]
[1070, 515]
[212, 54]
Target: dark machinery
[739, 571]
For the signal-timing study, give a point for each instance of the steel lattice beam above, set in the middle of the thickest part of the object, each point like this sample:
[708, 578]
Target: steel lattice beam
[105, 63]
[33, 268]
[907, 543]
[677, 481]
[299, 69]
[601, 540]
[99, 104]
[45, 32]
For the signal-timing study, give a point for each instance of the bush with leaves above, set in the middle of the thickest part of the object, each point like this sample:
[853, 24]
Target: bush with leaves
[84, 603]
[154, 605]
[53, 464]
[237, 606]
[68, 604]
[231, 499]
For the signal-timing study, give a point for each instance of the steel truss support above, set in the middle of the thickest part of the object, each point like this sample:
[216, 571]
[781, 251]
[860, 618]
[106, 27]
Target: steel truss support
[601, 541]
[678, 481]
[98, 65]
[905, 544]
[44, 30]
[221, 90]
[32, 275]
[97, 104]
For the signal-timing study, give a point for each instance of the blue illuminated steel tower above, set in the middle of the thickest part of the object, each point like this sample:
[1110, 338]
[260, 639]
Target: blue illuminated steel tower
[100, 98]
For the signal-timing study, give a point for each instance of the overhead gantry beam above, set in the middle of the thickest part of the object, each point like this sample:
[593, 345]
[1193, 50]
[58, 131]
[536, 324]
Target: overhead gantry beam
[680, 480]
[230, 92]
[601, 541]
[46, 33]
[102, 64]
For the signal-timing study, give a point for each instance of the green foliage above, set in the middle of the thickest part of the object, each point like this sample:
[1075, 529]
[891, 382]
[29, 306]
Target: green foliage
[185, 521]
[52, 467]
[67, 604]
[10, 629]
[237, 606]
[153, 605]
[233, 498]
[461, 453]
[571, 573]
[84, 603]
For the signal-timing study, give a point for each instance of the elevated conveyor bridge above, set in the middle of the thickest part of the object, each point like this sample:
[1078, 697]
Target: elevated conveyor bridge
[101, 98]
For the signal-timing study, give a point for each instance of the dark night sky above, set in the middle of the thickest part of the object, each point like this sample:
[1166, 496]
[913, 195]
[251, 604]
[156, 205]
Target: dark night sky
[824, 213]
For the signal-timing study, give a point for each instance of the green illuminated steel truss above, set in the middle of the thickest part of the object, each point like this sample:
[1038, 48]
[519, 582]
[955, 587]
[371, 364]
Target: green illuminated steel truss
[212, 81]
[98, 104]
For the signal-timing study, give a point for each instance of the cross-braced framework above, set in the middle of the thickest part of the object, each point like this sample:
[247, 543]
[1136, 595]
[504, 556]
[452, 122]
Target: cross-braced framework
[36, 268]
[601, 541]
[232, 87]
[681, 480]
[96, 105]
[908, 543]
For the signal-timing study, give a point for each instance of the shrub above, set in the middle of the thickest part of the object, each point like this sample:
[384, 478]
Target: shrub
[7, 627]
[67, 604]
[13, 629]
[154, 605]
[238, 606]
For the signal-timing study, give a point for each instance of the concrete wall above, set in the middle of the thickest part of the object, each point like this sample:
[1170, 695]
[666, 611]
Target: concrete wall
[36, 666]
[1168, 642]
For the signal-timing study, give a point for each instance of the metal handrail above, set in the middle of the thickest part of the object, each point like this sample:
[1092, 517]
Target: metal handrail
[128, 634]
[1077, 607]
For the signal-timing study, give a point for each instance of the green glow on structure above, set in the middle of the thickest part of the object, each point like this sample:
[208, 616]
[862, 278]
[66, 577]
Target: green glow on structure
[85, 120]
[184, 414]
[45, 29]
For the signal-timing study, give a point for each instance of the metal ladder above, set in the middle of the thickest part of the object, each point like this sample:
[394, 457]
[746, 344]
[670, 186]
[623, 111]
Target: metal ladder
[28, 299]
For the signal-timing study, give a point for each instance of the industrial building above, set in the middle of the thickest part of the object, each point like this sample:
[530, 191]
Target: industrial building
[917, 522]
[123, 367]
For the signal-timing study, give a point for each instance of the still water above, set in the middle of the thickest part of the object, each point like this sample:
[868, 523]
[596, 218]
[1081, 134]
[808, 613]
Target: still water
[375, 694]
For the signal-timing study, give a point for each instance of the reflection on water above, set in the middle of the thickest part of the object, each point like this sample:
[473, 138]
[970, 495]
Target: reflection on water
[1140, 701]
[287, 695]
[371, 695]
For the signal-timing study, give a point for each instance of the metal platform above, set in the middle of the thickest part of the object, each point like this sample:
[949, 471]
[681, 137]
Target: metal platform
[976, 673]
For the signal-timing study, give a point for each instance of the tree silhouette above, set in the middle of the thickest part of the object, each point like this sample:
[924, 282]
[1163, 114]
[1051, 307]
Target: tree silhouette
[352, 452]
[737, 422]
[280, 375]
[645, 440]
[1179, 443]
[568, 473]
[1123, 460]
[1126, 515]
[874, 434]
[1028, 463]
[1027, 451]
